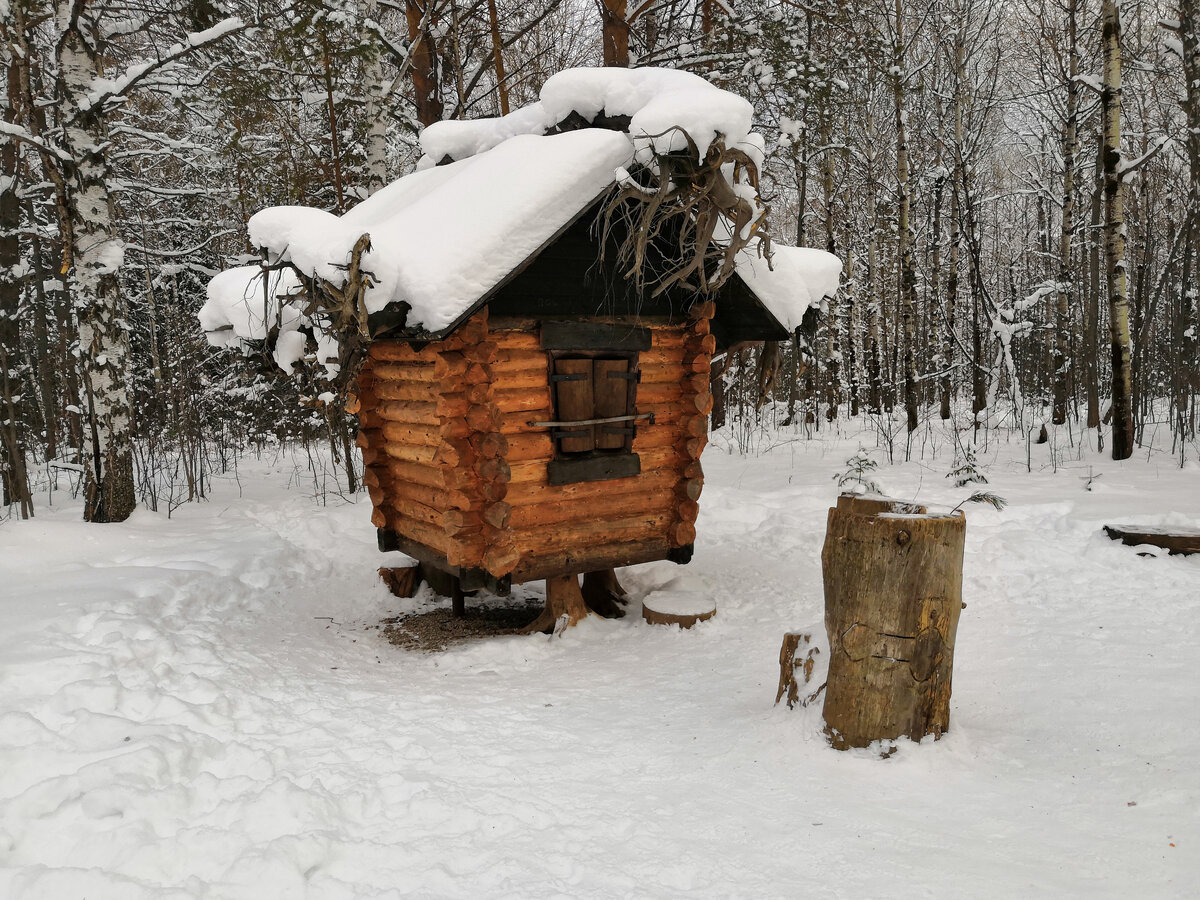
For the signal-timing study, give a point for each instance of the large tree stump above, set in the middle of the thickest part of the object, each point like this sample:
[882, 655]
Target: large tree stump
[564, 601]
[893, 594]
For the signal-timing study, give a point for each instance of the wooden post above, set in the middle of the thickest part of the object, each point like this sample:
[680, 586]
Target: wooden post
[893, 594]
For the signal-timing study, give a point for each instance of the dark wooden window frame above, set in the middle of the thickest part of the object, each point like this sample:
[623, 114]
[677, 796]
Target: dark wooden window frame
[595, 342]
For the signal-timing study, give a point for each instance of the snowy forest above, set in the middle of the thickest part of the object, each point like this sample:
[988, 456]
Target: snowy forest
[1013, 189]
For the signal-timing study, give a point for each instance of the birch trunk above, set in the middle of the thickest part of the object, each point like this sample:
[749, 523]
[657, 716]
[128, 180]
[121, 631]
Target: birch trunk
[92, 257]
[1114, 236]
[374, 109]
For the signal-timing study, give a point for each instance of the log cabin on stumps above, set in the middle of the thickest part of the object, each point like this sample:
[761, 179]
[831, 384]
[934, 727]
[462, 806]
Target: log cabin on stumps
[537, 309]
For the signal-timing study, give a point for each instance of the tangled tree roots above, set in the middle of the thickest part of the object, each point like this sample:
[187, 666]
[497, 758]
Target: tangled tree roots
[693, 213]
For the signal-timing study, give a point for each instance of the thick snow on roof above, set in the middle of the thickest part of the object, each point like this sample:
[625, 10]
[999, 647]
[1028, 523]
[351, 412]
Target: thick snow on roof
[440, 238]
[444, 236]
[660, 102]
[797, 278]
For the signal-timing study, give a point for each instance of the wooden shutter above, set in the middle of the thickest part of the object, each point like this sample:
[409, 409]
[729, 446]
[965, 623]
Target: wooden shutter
[611, 389]
[575, 401]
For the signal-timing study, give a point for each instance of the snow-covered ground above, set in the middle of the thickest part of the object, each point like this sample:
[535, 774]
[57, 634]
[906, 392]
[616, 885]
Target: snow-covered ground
[200, 707]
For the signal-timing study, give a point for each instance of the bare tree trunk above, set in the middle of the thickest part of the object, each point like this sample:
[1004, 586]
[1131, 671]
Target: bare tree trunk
[908, 274]
[498, 58]
[14, 480]
[424, 76]
[1187, 345]
[874, 287]
[1065, 271]
[1114, 236]
[615, 33]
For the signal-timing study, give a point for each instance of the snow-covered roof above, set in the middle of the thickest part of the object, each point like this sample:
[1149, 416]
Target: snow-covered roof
[444, 237]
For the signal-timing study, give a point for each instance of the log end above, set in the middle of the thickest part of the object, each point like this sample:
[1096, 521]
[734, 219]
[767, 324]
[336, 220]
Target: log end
[677, 608]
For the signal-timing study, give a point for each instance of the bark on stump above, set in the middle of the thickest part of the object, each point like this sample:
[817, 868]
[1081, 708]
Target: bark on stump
[893, 594]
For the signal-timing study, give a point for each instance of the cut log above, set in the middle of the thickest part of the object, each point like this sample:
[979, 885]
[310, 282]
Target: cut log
[563, 598]
[1176, 541]
[675, 608]
[797, 658]
[893, 594]
[402, 582]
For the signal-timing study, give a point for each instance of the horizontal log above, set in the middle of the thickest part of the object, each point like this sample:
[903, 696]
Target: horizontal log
[662, 461]
[705, 344]
[703, 403]
[491, 491]
[704, 310]
[525, 379]
[666, 392]
[402, 351]
[522, 339]
[696, 426]
[383, 372]
[417, 473]
[663, 338]
[693, 470]
[655, 436]
[693, 447]
[527, 399]
[410, 433]
[421, 532]
[379, 517]
[410, 412]
[701, 326]
[370, 455]
[517, 423]
[413, 509]
[455, 454]
[590, 559]
[421, 454]
[516, 362]
[434, 497]
[405, 392]
[546, 539]
[525, 447]
[527, 517]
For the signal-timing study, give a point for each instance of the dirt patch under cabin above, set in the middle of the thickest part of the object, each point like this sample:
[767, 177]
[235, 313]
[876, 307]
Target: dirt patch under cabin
[436, 629]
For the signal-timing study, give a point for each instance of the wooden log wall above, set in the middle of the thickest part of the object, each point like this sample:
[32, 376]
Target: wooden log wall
[453, 463]
[433, 449]
[602, 523]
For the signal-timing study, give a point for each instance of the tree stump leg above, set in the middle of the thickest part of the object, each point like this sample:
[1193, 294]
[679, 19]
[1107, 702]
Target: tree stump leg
[563, 598]
[402, 582]
[603, 594]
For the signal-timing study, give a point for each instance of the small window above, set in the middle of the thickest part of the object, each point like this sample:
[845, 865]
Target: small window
[593, 380]
[589, 389]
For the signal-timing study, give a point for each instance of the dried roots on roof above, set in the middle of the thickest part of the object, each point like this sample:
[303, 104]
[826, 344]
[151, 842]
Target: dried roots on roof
[700, 212]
